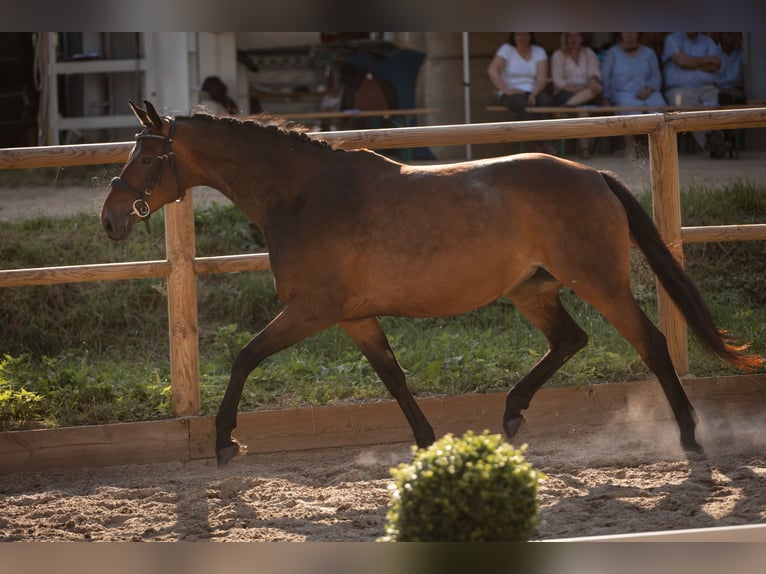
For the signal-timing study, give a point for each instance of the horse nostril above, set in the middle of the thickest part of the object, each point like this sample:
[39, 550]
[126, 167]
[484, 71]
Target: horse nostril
[107, 225]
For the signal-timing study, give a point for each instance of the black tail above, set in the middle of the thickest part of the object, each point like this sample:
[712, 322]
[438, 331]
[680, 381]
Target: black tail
[676, 281]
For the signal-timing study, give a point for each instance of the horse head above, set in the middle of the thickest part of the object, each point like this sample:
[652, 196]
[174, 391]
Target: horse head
[148, 180]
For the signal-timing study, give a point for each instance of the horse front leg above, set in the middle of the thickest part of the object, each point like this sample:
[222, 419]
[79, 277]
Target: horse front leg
[292, 325]
[538, 300]
[371, 340]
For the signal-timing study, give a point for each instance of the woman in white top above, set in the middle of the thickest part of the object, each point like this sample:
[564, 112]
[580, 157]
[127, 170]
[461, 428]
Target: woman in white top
[519, 71]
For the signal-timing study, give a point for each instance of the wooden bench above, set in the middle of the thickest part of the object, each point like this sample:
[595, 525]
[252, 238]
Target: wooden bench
[587, 111]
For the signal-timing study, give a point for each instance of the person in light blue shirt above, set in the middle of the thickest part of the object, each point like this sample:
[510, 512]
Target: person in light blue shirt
[691, 61]
[631, 74]
[631, 77]
[730, 76]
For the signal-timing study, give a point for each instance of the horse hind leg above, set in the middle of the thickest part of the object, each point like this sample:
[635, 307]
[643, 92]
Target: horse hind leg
[371, 340]
[538, 300]
[620, 308]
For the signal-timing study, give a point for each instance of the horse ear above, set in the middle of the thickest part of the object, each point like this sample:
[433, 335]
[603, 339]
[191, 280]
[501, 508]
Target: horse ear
[140, 114]
[154, 117]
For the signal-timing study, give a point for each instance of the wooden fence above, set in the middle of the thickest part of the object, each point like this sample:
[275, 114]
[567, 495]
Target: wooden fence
[181, 265]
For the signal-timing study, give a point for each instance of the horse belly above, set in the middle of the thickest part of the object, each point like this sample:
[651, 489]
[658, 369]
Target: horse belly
[439, 285]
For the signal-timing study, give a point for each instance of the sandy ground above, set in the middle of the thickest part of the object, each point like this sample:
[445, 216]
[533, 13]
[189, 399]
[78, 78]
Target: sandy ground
[605, 480]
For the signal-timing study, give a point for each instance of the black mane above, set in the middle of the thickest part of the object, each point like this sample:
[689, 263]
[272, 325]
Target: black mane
[269, 123]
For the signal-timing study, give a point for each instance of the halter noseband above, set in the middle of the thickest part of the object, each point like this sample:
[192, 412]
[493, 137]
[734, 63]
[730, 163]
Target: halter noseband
[140, 206]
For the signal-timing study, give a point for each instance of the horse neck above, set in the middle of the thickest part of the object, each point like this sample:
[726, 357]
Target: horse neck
[261, 170]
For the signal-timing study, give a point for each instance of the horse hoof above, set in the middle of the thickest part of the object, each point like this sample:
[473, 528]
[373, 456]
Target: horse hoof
[425, 441]
[512, 426]
[693, 450]
[225, 454]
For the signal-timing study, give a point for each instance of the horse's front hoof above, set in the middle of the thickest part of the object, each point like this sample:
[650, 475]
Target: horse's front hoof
[512, 426]
[426, 440]
[224, 454]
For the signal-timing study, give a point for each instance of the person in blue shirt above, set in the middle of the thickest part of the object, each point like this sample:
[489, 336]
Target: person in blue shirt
[631, 73]
[631, 77]
[691, 61]
[729, 77]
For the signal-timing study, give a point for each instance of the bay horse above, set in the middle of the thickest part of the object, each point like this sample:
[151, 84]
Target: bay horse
[353, 235]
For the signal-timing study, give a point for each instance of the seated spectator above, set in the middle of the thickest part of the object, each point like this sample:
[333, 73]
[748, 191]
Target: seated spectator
[214, 96]
[631, 76]
[691, 61]
[575, 71]
[576, 77]
[729, 77]
[519, 71]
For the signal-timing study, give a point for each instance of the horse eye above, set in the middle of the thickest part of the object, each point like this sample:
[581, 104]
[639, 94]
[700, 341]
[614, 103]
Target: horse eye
[147, 160]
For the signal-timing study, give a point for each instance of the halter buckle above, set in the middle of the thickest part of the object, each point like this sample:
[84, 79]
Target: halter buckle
[141, 208]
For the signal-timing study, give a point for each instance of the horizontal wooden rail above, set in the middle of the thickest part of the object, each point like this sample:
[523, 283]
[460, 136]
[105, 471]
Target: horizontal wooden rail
[232, 263]
[717, 119]
[84, 273]
[713, 233]
[494, 132]
[64, 155]
[131, 270]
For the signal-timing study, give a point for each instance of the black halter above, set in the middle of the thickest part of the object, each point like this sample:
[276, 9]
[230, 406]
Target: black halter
[140, 206]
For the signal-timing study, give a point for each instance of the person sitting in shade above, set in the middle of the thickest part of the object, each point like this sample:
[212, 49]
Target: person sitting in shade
[576, 77]
[576, 72]
[691, 61]
[631, 76]
[730, 76]
[215, 97]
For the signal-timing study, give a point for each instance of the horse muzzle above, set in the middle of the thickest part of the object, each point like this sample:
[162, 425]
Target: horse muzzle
[117, 228]
[117, 224]
[118, 221]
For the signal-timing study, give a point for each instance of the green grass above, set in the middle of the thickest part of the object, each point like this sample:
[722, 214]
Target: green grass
[97, 352]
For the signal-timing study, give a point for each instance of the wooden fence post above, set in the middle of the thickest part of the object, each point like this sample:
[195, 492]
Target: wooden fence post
[666, 209]
[182, 307]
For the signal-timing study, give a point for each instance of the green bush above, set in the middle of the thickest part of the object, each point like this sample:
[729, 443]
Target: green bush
[476, 488]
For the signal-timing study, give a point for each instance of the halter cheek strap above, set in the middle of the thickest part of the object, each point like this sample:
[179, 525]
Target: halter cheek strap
[140, 205]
